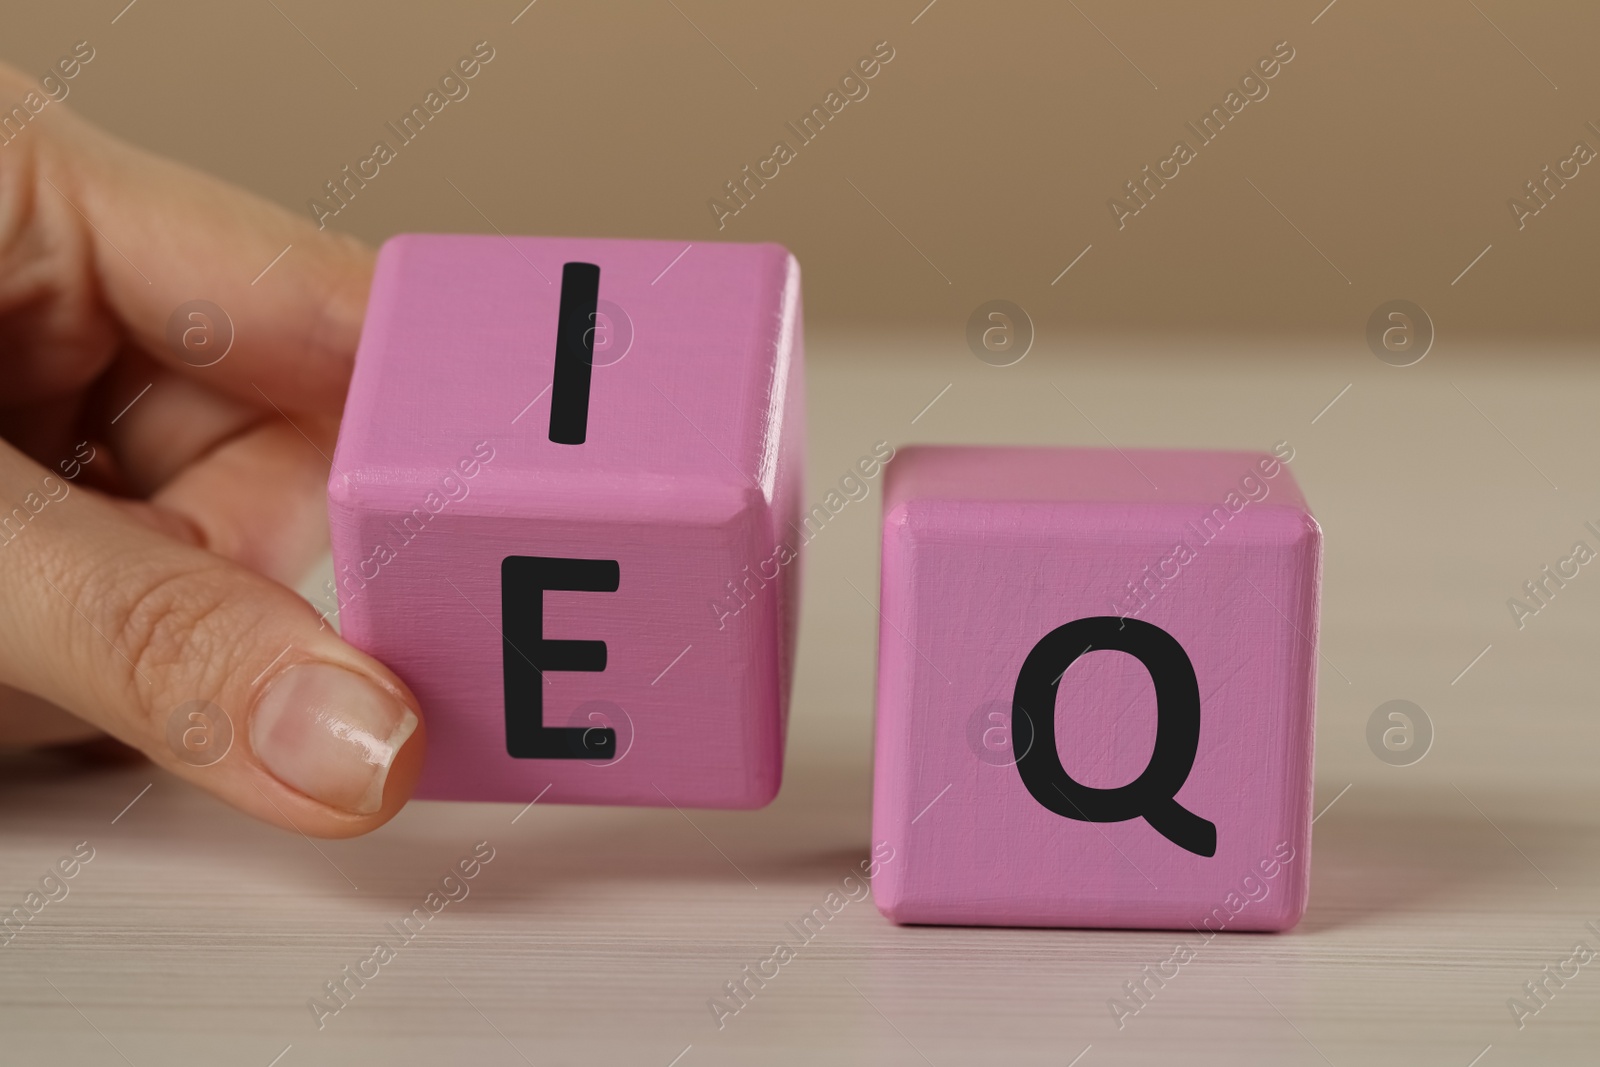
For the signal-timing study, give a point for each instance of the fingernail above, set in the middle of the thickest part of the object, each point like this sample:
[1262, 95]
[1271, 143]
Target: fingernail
[330, 733]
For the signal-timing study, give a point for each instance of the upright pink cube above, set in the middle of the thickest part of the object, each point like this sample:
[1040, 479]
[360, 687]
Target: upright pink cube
[1028, 776]
[561, 510]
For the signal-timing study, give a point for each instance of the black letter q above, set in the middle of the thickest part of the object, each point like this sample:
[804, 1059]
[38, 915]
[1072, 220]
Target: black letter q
[1149, 796]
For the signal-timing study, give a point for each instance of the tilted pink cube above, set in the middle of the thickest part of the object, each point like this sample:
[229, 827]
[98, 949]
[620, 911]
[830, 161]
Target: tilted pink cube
[561, 510]
[1096, 678]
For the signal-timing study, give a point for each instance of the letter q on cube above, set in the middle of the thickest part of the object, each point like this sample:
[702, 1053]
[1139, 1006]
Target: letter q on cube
[558, 458]
[1026, 776]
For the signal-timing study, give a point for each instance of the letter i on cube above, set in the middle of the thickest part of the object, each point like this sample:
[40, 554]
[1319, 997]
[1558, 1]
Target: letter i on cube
[1096, 679]
[561, 507]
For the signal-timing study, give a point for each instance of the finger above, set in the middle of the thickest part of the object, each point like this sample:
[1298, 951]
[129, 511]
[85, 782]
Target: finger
[210, 471]
[28, 722]
[165, 420]
[42, 429]
[161, 235]
[261, 498]
[136, 633]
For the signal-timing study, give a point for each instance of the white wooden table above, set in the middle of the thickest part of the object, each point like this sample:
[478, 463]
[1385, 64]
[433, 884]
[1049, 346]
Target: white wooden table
[599, 935]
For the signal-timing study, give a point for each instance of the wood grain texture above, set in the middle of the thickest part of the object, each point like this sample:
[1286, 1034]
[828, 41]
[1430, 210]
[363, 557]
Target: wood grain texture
[598, 935]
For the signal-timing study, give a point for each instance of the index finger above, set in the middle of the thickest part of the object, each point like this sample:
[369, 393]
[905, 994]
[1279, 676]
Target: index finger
[163, 235]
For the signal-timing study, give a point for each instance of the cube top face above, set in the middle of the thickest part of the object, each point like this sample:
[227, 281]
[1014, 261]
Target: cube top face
[599, 606]
[460, 345]
[1166, 605]
[1081, 475]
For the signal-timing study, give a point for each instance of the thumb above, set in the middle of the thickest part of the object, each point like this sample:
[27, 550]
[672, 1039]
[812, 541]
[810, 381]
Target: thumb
[215, 672]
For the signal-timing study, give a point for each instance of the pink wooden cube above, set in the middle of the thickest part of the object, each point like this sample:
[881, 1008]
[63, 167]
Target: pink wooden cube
[561, 508]
[1025, 776]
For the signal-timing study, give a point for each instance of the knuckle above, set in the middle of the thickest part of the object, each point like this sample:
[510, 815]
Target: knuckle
[171, 635]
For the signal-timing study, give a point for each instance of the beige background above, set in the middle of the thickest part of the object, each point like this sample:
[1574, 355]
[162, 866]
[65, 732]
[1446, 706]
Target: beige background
[992, 142]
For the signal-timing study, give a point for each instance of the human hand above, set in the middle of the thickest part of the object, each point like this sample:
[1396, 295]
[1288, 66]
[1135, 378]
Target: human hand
[150, 509]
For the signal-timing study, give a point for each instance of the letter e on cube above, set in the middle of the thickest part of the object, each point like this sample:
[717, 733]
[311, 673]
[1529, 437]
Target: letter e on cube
[558, 457]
